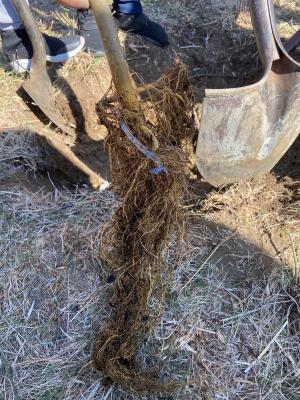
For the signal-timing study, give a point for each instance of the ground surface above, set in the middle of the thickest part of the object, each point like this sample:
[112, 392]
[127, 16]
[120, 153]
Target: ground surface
[230, 329]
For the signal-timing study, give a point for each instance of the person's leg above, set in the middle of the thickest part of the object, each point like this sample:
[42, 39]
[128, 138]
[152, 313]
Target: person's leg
[133, 7]
[9, 19]
[17, 47]
[129, 17]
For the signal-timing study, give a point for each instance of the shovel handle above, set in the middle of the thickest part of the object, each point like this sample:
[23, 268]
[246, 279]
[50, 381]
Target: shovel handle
[261, 21]
[281, 48]
[39, 52]
[293, 42]
[114, 53]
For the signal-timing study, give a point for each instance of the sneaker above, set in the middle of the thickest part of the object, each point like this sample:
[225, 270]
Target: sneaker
[87, 27]
[17, 47]
[141, 25]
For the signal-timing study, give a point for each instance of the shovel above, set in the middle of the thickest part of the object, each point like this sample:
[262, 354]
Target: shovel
[40, 89]
[38, 85]
[127, 92]
[245, 131]
[118, 66]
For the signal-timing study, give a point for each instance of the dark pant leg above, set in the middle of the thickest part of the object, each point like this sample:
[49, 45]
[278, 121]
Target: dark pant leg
[128, 6]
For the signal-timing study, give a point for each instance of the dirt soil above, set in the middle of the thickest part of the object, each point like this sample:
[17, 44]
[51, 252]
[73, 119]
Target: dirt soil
[234, 286]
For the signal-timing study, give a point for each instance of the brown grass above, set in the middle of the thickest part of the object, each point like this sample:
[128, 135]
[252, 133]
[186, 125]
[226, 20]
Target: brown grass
[230, 326]
[231, 340]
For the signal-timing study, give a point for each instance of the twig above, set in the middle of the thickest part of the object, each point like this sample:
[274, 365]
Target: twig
[296, 266]
[267, 348]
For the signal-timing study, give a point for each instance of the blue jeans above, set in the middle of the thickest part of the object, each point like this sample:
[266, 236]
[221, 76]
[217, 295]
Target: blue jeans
[128, 6]
[9, 19]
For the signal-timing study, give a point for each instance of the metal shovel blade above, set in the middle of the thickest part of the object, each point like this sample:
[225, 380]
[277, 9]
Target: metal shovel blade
[38, 85]
[42, 93]
[245, 131]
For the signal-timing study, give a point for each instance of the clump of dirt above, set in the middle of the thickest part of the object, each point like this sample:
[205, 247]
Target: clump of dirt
[80, 86]
[149, 213]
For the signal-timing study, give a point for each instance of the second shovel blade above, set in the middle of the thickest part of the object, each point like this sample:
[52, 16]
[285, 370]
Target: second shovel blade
[244, 132]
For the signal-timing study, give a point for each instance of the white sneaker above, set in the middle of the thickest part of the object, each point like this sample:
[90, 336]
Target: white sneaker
[17, 47]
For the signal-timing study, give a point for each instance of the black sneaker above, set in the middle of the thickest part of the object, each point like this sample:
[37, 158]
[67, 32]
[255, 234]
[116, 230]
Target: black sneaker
[87, 27]
[141, 25]
[17, 47]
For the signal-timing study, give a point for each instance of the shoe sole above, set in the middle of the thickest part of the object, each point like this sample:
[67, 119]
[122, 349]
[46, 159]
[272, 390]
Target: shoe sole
[24, 65]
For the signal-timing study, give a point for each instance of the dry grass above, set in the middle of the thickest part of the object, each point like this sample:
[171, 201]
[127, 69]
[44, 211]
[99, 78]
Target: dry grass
[263, 210]
[230, 328]
[15, 148]
[222, 338]
[222, 341]
[51, 292]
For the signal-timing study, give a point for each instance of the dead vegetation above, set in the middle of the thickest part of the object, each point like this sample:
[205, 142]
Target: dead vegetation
[222, 335]
[230, 325]
[263, 210]
[149, 213]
